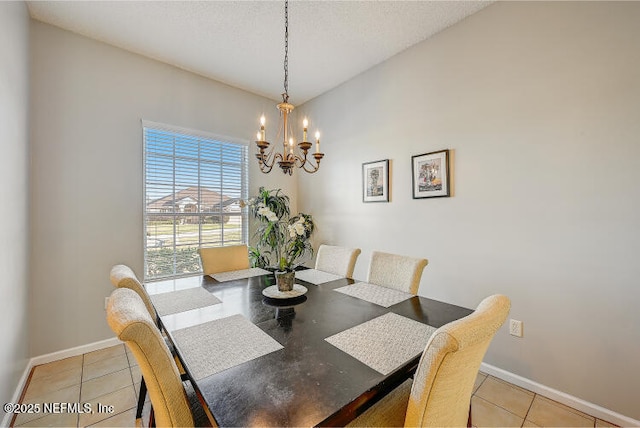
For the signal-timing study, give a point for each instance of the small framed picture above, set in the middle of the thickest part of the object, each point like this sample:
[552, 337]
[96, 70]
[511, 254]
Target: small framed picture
[375, 181]
[430, 174]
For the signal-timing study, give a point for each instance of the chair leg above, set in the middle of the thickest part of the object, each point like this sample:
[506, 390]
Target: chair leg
[141, 397]
[152, 419]
[469, 420]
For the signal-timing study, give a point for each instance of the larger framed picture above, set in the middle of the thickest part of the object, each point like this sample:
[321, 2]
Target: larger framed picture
[430, 174]
[375, 181]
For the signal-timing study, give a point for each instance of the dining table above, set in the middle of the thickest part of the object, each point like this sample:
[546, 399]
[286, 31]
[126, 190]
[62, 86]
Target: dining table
[319, 355]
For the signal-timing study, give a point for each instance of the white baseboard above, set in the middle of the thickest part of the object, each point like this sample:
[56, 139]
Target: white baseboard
[16, 395]
[561, 397]
[54, 356]
[78, 350]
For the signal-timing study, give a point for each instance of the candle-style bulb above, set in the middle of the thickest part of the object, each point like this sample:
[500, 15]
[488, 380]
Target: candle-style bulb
[259, 137]
[262, 133]
[317, 141]
[305, 123]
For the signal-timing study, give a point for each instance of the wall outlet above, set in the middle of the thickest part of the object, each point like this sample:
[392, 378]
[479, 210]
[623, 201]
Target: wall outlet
[515, 328]
[106, 301]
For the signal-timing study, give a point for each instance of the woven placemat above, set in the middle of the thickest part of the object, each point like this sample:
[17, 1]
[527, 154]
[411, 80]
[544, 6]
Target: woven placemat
[217, 345]
[384, 343]
[238, 274]
[316, 277]
[377, 294]
[183, 300]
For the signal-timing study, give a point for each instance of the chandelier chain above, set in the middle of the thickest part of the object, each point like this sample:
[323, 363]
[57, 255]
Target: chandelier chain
[286, 51]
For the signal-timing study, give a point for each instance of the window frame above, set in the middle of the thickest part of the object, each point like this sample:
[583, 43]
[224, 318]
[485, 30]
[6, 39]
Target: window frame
[221, 142]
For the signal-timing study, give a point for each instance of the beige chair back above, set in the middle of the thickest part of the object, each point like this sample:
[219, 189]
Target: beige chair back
[393, 271]
[123, 277]
[337, 260]
[443, 384]
[224, 259]
[130, 321]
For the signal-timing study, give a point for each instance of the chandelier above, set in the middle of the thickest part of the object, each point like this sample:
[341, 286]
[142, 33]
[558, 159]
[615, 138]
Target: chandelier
[291, 156]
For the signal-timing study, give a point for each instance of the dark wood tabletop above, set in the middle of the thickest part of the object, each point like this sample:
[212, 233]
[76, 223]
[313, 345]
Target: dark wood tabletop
[309, 382]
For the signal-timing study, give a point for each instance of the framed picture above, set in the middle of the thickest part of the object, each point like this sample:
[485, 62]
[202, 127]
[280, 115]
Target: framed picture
[430, 174]
[375, 181]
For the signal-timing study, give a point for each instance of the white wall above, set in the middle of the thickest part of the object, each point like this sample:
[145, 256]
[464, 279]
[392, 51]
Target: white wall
[539, 104]
[87, 102]
[14, 217]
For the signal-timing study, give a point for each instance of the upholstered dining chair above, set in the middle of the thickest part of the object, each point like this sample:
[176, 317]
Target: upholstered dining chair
[393, 271]
[337, 260]
[122, 276]
[171, 404]
[224, 259]
[440, 394]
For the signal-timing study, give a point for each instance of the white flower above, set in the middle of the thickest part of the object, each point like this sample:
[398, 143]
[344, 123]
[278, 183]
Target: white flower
[292, 231]
[299, 227]
[267, 213]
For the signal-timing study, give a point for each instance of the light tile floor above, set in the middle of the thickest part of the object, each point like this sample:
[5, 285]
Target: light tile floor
[107, 377]
[496, 403]
[111, 377]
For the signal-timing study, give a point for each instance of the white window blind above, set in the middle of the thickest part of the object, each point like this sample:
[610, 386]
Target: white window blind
[193, 185]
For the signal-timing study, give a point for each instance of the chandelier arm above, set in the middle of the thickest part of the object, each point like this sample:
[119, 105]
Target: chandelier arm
[267, 156]
[264, 166]
[299, 161]
[310, 171]
[265, 170]
[276, 156]
[269, 166]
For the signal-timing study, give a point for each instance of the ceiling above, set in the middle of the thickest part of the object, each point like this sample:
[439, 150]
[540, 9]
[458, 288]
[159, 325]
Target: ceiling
[241, 43]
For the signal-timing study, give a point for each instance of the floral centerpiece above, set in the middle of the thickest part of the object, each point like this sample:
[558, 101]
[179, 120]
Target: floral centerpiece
[282, 240]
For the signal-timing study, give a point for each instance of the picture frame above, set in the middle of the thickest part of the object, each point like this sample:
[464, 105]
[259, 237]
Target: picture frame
[430, 175]
[375, 181]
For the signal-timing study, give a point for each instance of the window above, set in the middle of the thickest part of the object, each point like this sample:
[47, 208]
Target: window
[193, 185]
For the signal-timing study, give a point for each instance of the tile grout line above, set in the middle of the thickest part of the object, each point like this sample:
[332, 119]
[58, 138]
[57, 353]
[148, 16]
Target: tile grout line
[29, 385]
[553, 402]
[529, 409]
[98, 377]
[474, 395]
[81, 382]
[511, 386]
[569, 409]
[500, 407]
